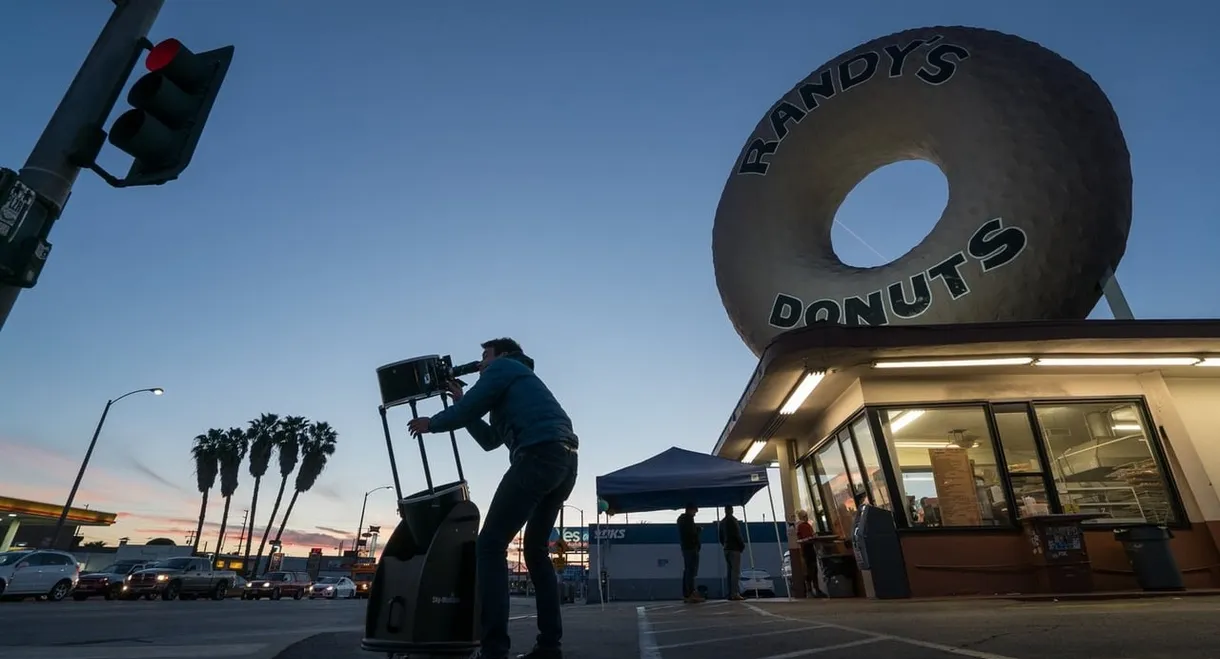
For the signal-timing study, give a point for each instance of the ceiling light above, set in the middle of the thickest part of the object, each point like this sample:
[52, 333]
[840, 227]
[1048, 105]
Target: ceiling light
[943, 363]
[754, 450]
[802, 391]
[904, 419]
[923, 444]
[1164, 360]
[1127, 427]
[1209, 361]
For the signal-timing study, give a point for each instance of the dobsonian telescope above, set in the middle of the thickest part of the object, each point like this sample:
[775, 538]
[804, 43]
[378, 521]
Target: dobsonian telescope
[422, 603]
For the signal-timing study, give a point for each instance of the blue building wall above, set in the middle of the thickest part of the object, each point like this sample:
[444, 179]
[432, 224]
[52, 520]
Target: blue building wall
[643, 562]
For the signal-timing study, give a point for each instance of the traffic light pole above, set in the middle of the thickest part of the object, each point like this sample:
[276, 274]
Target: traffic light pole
[90, 98]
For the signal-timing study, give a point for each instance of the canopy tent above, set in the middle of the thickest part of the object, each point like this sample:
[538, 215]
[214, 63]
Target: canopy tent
[677, 478]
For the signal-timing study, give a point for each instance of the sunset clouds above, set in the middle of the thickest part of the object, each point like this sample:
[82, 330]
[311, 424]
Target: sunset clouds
[161, 502]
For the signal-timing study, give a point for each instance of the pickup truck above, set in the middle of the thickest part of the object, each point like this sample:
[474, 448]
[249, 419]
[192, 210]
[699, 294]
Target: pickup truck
[188, 577]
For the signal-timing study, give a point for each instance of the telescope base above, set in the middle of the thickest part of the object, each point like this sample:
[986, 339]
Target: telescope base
[423, 601]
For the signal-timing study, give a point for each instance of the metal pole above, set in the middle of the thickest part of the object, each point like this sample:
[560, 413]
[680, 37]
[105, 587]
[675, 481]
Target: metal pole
[779, 543]
[49, 170]
[63, 514]
[360, 527]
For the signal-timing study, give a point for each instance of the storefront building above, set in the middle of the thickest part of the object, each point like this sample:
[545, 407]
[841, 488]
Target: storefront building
[963, 431]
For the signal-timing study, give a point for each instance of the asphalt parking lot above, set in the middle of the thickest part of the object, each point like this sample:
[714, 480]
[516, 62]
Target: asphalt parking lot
[1160, 628]
[1184, 628]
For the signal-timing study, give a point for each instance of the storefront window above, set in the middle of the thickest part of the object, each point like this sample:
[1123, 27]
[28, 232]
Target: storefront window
[1021, 455]
[1102, 462]
[872, 463]
[853, 465]
[810, 502]
[945, 459]
[836, 488]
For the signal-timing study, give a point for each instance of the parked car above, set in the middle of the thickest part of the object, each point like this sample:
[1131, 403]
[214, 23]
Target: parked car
[333, 588]
[278, 584]
[188, 577]
[39, 573]
[239, 587]
[757, 583]
[106, 582]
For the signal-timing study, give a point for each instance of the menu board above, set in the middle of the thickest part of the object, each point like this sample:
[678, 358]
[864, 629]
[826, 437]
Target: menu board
[955, 491]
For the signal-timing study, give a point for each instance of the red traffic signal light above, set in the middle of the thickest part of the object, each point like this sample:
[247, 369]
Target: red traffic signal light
[170, 106]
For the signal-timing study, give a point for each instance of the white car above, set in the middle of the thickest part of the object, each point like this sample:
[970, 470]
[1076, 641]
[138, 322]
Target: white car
[757, 583]
[333, 588]
[39, 573]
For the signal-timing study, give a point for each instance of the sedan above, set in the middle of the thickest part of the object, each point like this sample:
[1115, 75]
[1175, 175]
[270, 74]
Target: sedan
[333, 588]
[757, 583]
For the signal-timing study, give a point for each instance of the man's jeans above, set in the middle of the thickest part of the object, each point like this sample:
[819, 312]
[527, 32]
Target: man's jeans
[733, 560]
[530, 494]
[690, 570]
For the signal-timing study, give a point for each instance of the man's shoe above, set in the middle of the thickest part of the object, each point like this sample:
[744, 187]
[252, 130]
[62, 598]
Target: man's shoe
[542, 653]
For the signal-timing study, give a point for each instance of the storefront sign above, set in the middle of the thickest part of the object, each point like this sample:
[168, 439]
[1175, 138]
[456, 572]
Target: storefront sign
[992, 245]
[1040, 188]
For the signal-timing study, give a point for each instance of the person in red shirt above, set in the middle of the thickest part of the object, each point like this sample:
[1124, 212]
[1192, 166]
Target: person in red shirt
[809, 554]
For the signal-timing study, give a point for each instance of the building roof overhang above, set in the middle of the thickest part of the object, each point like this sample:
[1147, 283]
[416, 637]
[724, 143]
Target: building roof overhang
[846, 353]
[26, 511]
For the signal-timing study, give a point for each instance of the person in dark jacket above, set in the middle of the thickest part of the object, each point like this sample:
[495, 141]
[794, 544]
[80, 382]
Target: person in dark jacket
[688, 538]
[526, 419]
[733, 544]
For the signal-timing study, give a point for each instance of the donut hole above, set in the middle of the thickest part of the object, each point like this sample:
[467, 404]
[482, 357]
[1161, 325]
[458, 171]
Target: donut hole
[888, 213]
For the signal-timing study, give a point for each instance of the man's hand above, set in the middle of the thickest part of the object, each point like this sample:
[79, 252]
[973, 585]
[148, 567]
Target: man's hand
[419, 426]
[455, 390]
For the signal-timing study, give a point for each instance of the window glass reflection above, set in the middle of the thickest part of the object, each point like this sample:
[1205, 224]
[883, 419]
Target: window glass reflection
[872, 463]
[836, 488]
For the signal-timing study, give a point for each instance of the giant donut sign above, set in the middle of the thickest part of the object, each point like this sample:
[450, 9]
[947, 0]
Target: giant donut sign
[1039, 188]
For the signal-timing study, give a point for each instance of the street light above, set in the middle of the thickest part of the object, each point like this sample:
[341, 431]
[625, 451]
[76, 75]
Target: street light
[582, 524]
[360, 527]
[63, 515]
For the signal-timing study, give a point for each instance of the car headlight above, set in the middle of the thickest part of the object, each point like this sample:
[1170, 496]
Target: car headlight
[330, 588]
[266, 584]
[162, 577]
[127, 578]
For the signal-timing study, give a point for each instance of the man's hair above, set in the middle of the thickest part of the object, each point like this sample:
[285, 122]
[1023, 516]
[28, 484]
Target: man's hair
[501, 346]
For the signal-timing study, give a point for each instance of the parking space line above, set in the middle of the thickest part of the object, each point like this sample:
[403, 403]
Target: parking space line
[648, 642]
[702, 627]
[977, 654]
[824, 648]
[705, 641]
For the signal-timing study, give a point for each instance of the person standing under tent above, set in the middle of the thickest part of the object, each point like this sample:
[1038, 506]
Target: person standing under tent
[688, 538]
[733, 544]
[809, 554]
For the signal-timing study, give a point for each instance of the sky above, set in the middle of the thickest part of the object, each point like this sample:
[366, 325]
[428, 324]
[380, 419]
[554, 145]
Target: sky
[416, 178]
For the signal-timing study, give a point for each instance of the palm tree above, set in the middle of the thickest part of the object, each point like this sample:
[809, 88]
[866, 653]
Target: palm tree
[317, 446]
[207, 464]
[262, 440]
[288, 448]
[233, 447]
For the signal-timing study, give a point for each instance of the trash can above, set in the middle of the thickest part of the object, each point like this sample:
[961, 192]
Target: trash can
[838, 572]
[1147, 547]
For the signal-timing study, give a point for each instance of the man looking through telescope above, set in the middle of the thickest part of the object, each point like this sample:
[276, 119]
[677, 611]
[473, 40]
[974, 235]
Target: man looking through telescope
[525, 418]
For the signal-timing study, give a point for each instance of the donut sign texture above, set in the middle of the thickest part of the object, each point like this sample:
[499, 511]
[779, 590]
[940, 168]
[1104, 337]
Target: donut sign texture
[1039, 188]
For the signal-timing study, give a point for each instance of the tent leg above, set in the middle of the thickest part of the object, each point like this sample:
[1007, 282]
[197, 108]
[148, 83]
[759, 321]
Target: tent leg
[779, 543]
[601, 590]
[722, 563]
[749, 543]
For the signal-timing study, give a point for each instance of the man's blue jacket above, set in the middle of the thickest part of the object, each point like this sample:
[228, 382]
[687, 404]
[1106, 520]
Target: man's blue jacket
[523, 411]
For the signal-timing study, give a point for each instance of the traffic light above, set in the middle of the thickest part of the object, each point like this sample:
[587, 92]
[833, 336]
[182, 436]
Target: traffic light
[170, 106]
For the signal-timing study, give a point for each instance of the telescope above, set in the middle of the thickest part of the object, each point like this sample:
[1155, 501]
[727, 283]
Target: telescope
[422, 602]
